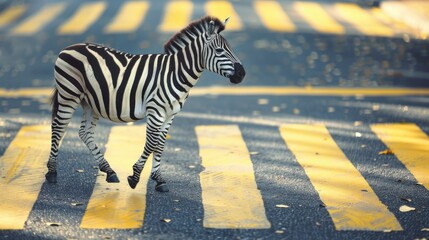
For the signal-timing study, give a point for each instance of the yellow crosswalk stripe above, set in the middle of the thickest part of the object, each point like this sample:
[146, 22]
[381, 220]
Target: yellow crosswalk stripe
[11, 14]
[410, 145]
[22, 167]
[273, 16]
[318, 18]
[362, 20]
[349, 199]
[389, 21]
[230, 195]
[85, 16]
[129, 18]
[116, 205]
[37, 21]
[223, 10]
[177, 16]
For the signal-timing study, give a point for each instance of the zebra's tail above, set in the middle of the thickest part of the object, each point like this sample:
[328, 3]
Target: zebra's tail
[54, 103]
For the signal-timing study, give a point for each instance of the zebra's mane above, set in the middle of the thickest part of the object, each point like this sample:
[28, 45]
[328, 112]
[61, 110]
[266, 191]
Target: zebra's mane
[194, 29]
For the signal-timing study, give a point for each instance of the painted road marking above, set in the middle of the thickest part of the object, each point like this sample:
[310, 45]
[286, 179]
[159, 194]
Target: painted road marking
[318, 18]
[116, 205]
[223, 10]
[22, 174]
[11, 14]
[230, 196]
[129, 17]
[273, 16]
[253, 90]
[85, 16]
[336, 179]
[36, 22]
[177, 15]
[362, 20]
[409, 144]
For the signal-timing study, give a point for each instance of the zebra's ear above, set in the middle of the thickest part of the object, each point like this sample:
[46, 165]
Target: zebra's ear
[211, 29]
[226, 21]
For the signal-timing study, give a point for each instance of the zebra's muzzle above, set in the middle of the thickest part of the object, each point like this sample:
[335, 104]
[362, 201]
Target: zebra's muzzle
[239, 74]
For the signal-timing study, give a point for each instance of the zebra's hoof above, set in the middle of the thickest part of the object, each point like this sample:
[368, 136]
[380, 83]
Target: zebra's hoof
[161, 187]
[51, 177]
[132, 182]
[112, 178]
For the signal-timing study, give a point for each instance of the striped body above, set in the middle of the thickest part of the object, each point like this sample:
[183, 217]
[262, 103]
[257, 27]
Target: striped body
[120, 86]
[123, 87]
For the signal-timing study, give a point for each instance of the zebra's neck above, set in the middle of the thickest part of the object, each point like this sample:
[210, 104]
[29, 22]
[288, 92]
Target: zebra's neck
[190, 64]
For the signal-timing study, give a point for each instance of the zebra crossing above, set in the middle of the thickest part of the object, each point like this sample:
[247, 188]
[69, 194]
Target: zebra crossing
[227, 180]
[67, 19]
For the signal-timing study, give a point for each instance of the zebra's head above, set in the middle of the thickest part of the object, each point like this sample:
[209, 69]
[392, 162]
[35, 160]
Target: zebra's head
[219, 57]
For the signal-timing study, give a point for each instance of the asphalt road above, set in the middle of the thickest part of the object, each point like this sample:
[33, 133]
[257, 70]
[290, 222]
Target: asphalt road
[355, 69]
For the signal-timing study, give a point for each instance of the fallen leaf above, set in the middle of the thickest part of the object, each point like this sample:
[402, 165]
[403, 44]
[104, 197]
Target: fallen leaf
[53, 224]
[296, 111]
[166, 220]
[76, 204]
[263, 101]
[358, 123]
[375, 107]
[275, 109]
[385, 152]
[282, 206]
[406, 199]
[405, 208]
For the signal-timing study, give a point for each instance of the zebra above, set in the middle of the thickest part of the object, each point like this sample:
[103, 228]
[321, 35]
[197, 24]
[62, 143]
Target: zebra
[123, 87]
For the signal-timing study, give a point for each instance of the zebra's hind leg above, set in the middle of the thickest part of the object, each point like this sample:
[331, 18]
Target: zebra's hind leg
[161, 184]
[86, 133]
[62, 112]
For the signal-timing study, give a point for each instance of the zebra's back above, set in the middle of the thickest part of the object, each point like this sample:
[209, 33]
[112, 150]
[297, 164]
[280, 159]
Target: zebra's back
[115, 84]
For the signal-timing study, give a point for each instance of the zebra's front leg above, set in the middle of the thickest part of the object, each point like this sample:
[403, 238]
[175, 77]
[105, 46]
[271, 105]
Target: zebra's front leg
[151, 142]
[161, 184]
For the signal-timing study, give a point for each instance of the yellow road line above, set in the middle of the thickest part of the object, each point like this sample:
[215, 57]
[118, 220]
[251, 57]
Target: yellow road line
[304, 91]
[177, 15]
[254, 90]
[37, 21]
[11, 14]
[396, 24]
[273, 16]
[349, 199]
[222, 10]
[362, 20]
[318, 18]
[410, 145]
[85, 16]
[116, 205]
[230, 195]
[22, 167]
[129, 18]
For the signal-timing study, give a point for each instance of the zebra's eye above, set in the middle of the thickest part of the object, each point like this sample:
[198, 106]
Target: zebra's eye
[219, 50]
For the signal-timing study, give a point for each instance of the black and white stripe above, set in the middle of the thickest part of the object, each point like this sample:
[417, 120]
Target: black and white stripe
[124, 87]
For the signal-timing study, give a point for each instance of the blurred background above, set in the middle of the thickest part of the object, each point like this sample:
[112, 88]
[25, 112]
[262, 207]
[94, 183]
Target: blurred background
[289, 43]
